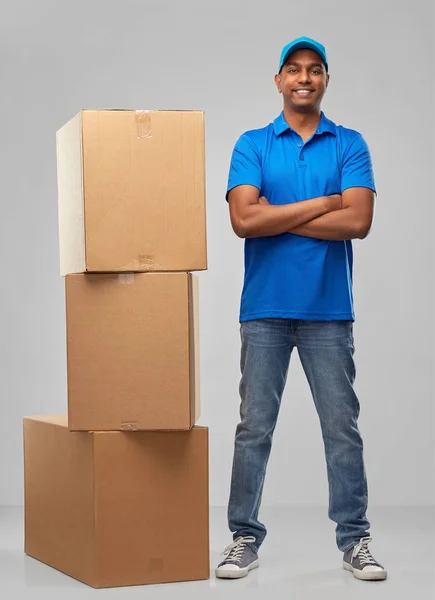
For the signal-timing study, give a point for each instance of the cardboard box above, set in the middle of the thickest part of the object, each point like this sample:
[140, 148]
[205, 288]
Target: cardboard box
[117, 508]
[131, 189]
[132, 351]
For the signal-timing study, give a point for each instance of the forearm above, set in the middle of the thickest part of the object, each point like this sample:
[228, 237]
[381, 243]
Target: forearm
[338, 225]
[267, 220]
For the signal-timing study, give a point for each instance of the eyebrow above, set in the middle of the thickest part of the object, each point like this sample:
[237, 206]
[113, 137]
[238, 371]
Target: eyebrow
[297, 64]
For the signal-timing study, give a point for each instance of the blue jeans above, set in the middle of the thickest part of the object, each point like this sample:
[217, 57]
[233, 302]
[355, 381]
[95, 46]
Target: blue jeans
[326, 351]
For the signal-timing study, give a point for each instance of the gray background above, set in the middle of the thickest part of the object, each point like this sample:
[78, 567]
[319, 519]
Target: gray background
[59, 57]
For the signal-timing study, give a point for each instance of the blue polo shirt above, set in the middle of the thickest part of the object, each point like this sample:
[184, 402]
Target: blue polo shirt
[291, 276]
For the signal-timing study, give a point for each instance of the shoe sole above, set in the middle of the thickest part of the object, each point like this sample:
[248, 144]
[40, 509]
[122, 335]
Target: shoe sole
[235, 574]
[368, 575]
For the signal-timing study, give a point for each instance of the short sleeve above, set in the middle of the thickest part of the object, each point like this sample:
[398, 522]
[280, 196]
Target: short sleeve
[245, 168]
[357, 169]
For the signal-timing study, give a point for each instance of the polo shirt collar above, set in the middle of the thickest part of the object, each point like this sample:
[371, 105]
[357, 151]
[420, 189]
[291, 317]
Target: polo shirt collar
[280, 125]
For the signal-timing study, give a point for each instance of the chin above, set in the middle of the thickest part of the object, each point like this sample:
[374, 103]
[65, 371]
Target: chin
[303, 107]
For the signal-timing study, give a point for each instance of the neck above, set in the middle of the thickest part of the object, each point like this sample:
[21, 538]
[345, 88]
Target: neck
[302, 121]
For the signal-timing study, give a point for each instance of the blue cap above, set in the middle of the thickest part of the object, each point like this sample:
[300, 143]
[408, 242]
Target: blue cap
[298, 44]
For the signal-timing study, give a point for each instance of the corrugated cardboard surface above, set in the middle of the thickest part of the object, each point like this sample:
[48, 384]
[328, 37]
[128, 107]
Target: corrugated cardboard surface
[117, 508]
[58, 497]
[143, 198]
[71, 216]
[194, 349]
[132, 361]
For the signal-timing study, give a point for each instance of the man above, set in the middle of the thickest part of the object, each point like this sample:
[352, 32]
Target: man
[299, 191]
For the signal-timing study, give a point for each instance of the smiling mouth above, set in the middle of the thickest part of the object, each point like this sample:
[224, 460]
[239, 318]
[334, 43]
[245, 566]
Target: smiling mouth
[303, 92]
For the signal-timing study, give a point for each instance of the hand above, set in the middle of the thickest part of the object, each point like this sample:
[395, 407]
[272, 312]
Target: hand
[263, 200]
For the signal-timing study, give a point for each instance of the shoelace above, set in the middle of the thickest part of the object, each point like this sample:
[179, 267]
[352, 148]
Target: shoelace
[234, 552]
[361, 550]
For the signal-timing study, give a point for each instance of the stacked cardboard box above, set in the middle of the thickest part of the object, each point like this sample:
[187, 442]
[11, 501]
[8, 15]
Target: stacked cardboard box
[117, 492]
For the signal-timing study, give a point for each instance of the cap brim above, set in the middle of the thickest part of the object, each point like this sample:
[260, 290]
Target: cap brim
[301, 46]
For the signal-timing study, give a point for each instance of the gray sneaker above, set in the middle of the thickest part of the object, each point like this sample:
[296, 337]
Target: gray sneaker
[240, 558]
[359, 560]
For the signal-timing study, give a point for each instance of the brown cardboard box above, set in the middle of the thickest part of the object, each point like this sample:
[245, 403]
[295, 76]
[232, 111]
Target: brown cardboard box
[131, 189]
[132, 351]
[117, 508]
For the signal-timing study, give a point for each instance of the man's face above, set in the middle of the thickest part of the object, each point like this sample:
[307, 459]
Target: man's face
[303, 70]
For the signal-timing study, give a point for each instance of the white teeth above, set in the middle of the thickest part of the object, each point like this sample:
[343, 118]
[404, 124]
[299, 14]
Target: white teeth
[303, 92]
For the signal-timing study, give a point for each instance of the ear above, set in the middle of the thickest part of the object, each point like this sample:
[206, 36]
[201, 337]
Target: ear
[327, 80]
[278, 83]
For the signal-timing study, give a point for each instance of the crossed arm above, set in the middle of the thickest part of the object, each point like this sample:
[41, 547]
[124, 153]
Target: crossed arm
[337, 217]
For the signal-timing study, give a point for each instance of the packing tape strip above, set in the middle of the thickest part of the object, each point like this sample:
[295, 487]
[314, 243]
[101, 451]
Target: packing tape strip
[128, 426]
[144, 262]
[147, 262]
[143, 124]
[126, 278]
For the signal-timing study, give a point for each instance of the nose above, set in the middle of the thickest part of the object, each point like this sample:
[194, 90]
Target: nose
[304, 76]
